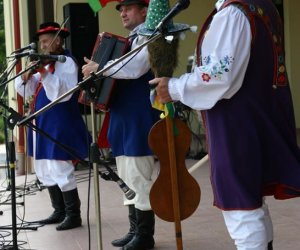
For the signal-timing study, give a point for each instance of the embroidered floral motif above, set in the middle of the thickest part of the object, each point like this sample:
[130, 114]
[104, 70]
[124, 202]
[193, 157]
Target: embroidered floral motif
[252, 7]
[216, 70]
[206, 77]
[260, 11]
[281, 69]
[281, 79]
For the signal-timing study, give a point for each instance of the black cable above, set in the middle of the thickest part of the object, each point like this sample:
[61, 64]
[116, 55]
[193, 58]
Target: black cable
[185, 114]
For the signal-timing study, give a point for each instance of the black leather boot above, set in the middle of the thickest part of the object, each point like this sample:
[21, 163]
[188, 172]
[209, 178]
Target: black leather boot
[132, 222]
[73, 218]
[58, 204]
[143, 238]
[270, 245]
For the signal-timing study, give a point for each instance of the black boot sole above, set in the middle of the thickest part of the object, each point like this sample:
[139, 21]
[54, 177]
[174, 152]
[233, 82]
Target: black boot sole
[69, 223]
[123, 241]
[52, 220]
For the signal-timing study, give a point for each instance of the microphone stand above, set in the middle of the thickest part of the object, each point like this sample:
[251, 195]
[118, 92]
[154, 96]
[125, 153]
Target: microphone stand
[11, 159]
[10, 162]
[94, 155]
[32, 67]
[7, 155]
[12, 165]
[94, 152]
[9, 122]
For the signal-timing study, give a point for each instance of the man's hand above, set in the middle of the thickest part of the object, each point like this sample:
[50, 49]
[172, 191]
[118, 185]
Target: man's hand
[37, 68]
[162, 89]
[89, 67]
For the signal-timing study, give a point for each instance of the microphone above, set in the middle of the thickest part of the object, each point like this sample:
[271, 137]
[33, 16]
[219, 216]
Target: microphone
[54, 58]
[179, 6]
[30, 46]
[23, 54]
[111, 175]
[129, 193]
[36, 56]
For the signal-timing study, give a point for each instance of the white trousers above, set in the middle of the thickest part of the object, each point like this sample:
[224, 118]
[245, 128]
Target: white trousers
[250, 229]
[53, 172]
[136, 172]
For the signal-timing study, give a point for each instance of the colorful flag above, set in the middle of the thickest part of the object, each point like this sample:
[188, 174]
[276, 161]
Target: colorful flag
[97, 5]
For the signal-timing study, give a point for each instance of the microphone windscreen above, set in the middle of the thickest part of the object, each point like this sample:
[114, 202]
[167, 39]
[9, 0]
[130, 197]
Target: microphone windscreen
[130, 194]
[61, 58]
[33, 46]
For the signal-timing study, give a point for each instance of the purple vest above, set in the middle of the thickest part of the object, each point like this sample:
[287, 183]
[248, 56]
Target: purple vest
[251, 137]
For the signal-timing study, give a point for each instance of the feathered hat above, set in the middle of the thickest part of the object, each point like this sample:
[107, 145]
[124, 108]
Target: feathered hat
[157, 10]
[51, 27]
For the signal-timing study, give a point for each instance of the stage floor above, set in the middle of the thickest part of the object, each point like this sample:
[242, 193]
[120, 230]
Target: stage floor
[204, 230]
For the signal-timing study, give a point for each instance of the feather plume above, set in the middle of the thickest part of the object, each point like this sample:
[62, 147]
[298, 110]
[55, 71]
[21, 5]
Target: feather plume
[163, 56]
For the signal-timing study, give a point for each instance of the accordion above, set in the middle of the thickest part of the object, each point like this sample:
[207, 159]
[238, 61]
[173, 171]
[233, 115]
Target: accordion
[107, 47]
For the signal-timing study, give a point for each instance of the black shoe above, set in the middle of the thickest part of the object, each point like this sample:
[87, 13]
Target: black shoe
[140, 242]
[123, 241]
[129, 236]
[58, 204]
[143, 239]
[69, 223]
[270, 245]
[55, 217]
[72, 208]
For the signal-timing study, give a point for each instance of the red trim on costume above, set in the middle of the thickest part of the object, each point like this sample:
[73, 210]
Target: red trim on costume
[32, 104]
[281, 192]
[102, 137]
[278, 191]
[51, 70]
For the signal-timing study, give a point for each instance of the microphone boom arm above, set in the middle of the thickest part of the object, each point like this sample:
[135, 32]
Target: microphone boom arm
[78, 86]
[33, 66]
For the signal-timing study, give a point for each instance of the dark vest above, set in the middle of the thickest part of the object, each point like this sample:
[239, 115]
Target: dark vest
[131, 117]
[64, 123]
[251, 136]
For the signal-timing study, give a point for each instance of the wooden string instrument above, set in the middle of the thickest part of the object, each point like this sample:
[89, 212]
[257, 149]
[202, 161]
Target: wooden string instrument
[175, 194]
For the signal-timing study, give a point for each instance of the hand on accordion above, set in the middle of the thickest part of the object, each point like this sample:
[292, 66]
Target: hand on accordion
[89, 67]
